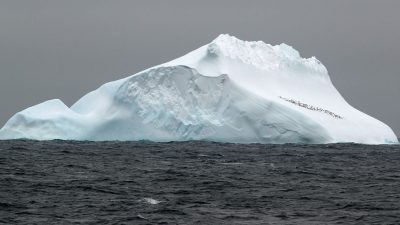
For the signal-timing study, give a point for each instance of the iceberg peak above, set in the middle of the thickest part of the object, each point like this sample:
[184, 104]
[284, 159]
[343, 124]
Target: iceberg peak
[262, 55]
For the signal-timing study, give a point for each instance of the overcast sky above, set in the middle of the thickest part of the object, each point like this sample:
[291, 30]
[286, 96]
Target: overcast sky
[64, 49]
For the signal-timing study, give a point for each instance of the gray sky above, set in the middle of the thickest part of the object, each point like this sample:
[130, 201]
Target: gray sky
[64, 49]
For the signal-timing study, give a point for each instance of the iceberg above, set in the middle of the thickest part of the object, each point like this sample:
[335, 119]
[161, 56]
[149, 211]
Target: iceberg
[227, 91]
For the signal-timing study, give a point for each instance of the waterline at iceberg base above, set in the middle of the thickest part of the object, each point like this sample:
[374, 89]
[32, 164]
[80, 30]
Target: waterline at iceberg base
[228, 90]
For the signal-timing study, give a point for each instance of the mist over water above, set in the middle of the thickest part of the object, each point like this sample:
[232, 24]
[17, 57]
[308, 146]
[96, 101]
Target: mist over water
[67, 182]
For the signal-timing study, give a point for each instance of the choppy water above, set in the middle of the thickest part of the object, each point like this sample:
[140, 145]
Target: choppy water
[62, 182]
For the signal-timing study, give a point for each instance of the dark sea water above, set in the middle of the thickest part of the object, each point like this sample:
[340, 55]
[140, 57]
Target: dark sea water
[64, 182]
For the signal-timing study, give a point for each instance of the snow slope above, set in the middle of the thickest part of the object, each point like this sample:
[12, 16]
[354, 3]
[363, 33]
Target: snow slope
[229, 90]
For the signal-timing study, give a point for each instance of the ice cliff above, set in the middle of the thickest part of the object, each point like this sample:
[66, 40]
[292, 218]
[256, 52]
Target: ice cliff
[228, 90]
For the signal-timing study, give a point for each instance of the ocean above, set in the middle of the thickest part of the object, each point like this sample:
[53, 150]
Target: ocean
[68, 182]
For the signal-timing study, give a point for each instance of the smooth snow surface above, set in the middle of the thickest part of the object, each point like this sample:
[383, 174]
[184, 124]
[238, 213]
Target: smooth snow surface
[229, 90]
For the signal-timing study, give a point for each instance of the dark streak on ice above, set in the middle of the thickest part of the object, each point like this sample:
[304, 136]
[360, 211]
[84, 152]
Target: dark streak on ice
[65, 182]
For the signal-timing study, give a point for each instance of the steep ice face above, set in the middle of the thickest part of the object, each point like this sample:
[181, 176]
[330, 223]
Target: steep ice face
[186, 105]
[229, 90]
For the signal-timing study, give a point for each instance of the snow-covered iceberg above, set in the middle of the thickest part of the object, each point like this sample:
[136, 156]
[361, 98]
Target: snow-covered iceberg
[229, 90]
